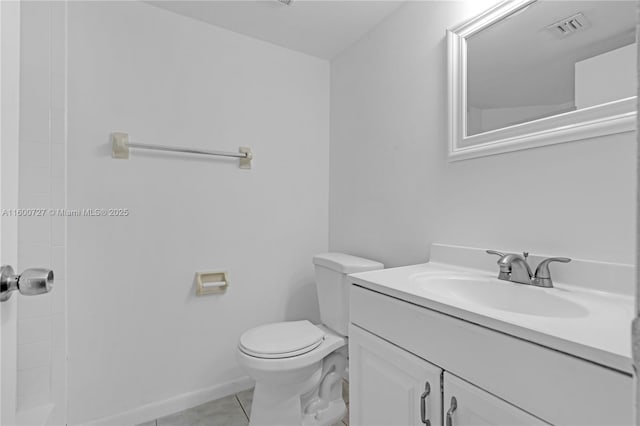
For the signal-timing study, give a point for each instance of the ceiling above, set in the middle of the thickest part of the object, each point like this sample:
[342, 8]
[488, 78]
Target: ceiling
[321, 28]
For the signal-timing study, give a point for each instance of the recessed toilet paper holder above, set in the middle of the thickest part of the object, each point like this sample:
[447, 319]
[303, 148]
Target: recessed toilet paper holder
[215, 282]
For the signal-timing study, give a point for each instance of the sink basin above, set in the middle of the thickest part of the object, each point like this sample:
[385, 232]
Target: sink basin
[498, 294]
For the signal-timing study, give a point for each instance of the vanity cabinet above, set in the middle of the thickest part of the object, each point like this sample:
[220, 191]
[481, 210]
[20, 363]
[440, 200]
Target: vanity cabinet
[474, 406]
[390, 386]
[396, 347]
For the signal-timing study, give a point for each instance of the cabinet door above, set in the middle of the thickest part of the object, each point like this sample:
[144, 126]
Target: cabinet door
[390, 386]
[474, 406]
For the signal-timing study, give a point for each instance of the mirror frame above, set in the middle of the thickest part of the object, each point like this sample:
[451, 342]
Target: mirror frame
[605, 119]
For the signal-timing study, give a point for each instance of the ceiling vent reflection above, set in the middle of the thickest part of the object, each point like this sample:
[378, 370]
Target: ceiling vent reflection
[570, 25]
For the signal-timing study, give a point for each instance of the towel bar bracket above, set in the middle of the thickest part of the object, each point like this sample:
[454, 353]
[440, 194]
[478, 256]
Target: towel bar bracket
[120, 145]
[245, 163]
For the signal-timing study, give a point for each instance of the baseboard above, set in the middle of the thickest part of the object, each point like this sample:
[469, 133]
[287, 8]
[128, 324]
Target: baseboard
[174, 404]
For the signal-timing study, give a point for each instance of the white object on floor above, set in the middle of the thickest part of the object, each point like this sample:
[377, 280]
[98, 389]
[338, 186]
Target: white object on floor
[298, 367]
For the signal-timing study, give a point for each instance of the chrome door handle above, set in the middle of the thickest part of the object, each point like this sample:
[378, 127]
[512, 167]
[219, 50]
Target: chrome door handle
[31, 282]
[423, 404]
[452, 409]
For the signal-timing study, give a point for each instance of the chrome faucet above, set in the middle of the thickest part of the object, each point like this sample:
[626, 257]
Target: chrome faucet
[515, 268]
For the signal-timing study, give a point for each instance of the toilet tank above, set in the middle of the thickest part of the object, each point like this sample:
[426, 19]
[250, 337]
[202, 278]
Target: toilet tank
[332, 284]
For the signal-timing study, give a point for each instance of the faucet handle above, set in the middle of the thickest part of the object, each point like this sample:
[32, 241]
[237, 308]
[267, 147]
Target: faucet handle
[505, 270]
[495, 252]
[543, 274]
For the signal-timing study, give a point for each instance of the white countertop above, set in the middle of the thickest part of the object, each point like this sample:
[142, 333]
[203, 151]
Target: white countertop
[602, 335]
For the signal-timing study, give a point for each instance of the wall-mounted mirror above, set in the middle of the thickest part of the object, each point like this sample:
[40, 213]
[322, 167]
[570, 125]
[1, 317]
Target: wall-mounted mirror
[528, 73]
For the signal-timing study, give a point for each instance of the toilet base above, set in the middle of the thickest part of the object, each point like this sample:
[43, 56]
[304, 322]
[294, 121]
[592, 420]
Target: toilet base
[324, 405]
[315, 400]
[329, 416]
[279, 404]
[283, 405]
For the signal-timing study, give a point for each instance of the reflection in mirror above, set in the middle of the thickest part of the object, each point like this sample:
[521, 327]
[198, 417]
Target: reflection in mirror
[549, 58]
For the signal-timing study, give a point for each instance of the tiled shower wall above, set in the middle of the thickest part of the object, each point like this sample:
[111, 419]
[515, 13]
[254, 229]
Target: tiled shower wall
[42, 239]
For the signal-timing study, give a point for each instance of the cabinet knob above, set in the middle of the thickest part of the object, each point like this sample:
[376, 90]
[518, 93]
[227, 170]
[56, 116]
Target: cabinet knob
[452, 409]
[423, 404]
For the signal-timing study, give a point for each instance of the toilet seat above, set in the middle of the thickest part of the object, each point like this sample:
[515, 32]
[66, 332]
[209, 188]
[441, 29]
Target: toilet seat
[281, 340]
[259, 365]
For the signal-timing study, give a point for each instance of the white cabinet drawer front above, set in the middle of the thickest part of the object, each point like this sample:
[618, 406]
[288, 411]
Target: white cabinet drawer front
[558, 388]
[475, 407]
[386, 384]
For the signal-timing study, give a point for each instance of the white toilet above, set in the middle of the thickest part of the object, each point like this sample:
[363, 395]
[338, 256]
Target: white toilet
[298, 366]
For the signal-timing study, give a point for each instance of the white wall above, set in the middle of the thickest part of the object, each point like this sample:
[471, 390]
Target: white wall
[137, 333]
[393, 192]
[41, 239]
[606, 77]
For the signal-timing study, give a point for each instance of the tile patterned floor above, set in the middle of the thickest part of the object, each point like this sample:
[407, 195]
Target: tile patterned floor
[232, 410]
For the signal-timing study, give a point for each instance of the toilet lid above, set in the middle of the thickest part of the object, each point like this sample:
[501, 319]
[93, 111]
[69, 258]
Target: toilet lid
[281, 340]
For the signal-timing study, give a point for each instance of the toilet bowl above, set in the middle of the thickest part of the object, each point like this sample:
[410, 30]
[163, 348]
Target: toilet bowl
[298, 366]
